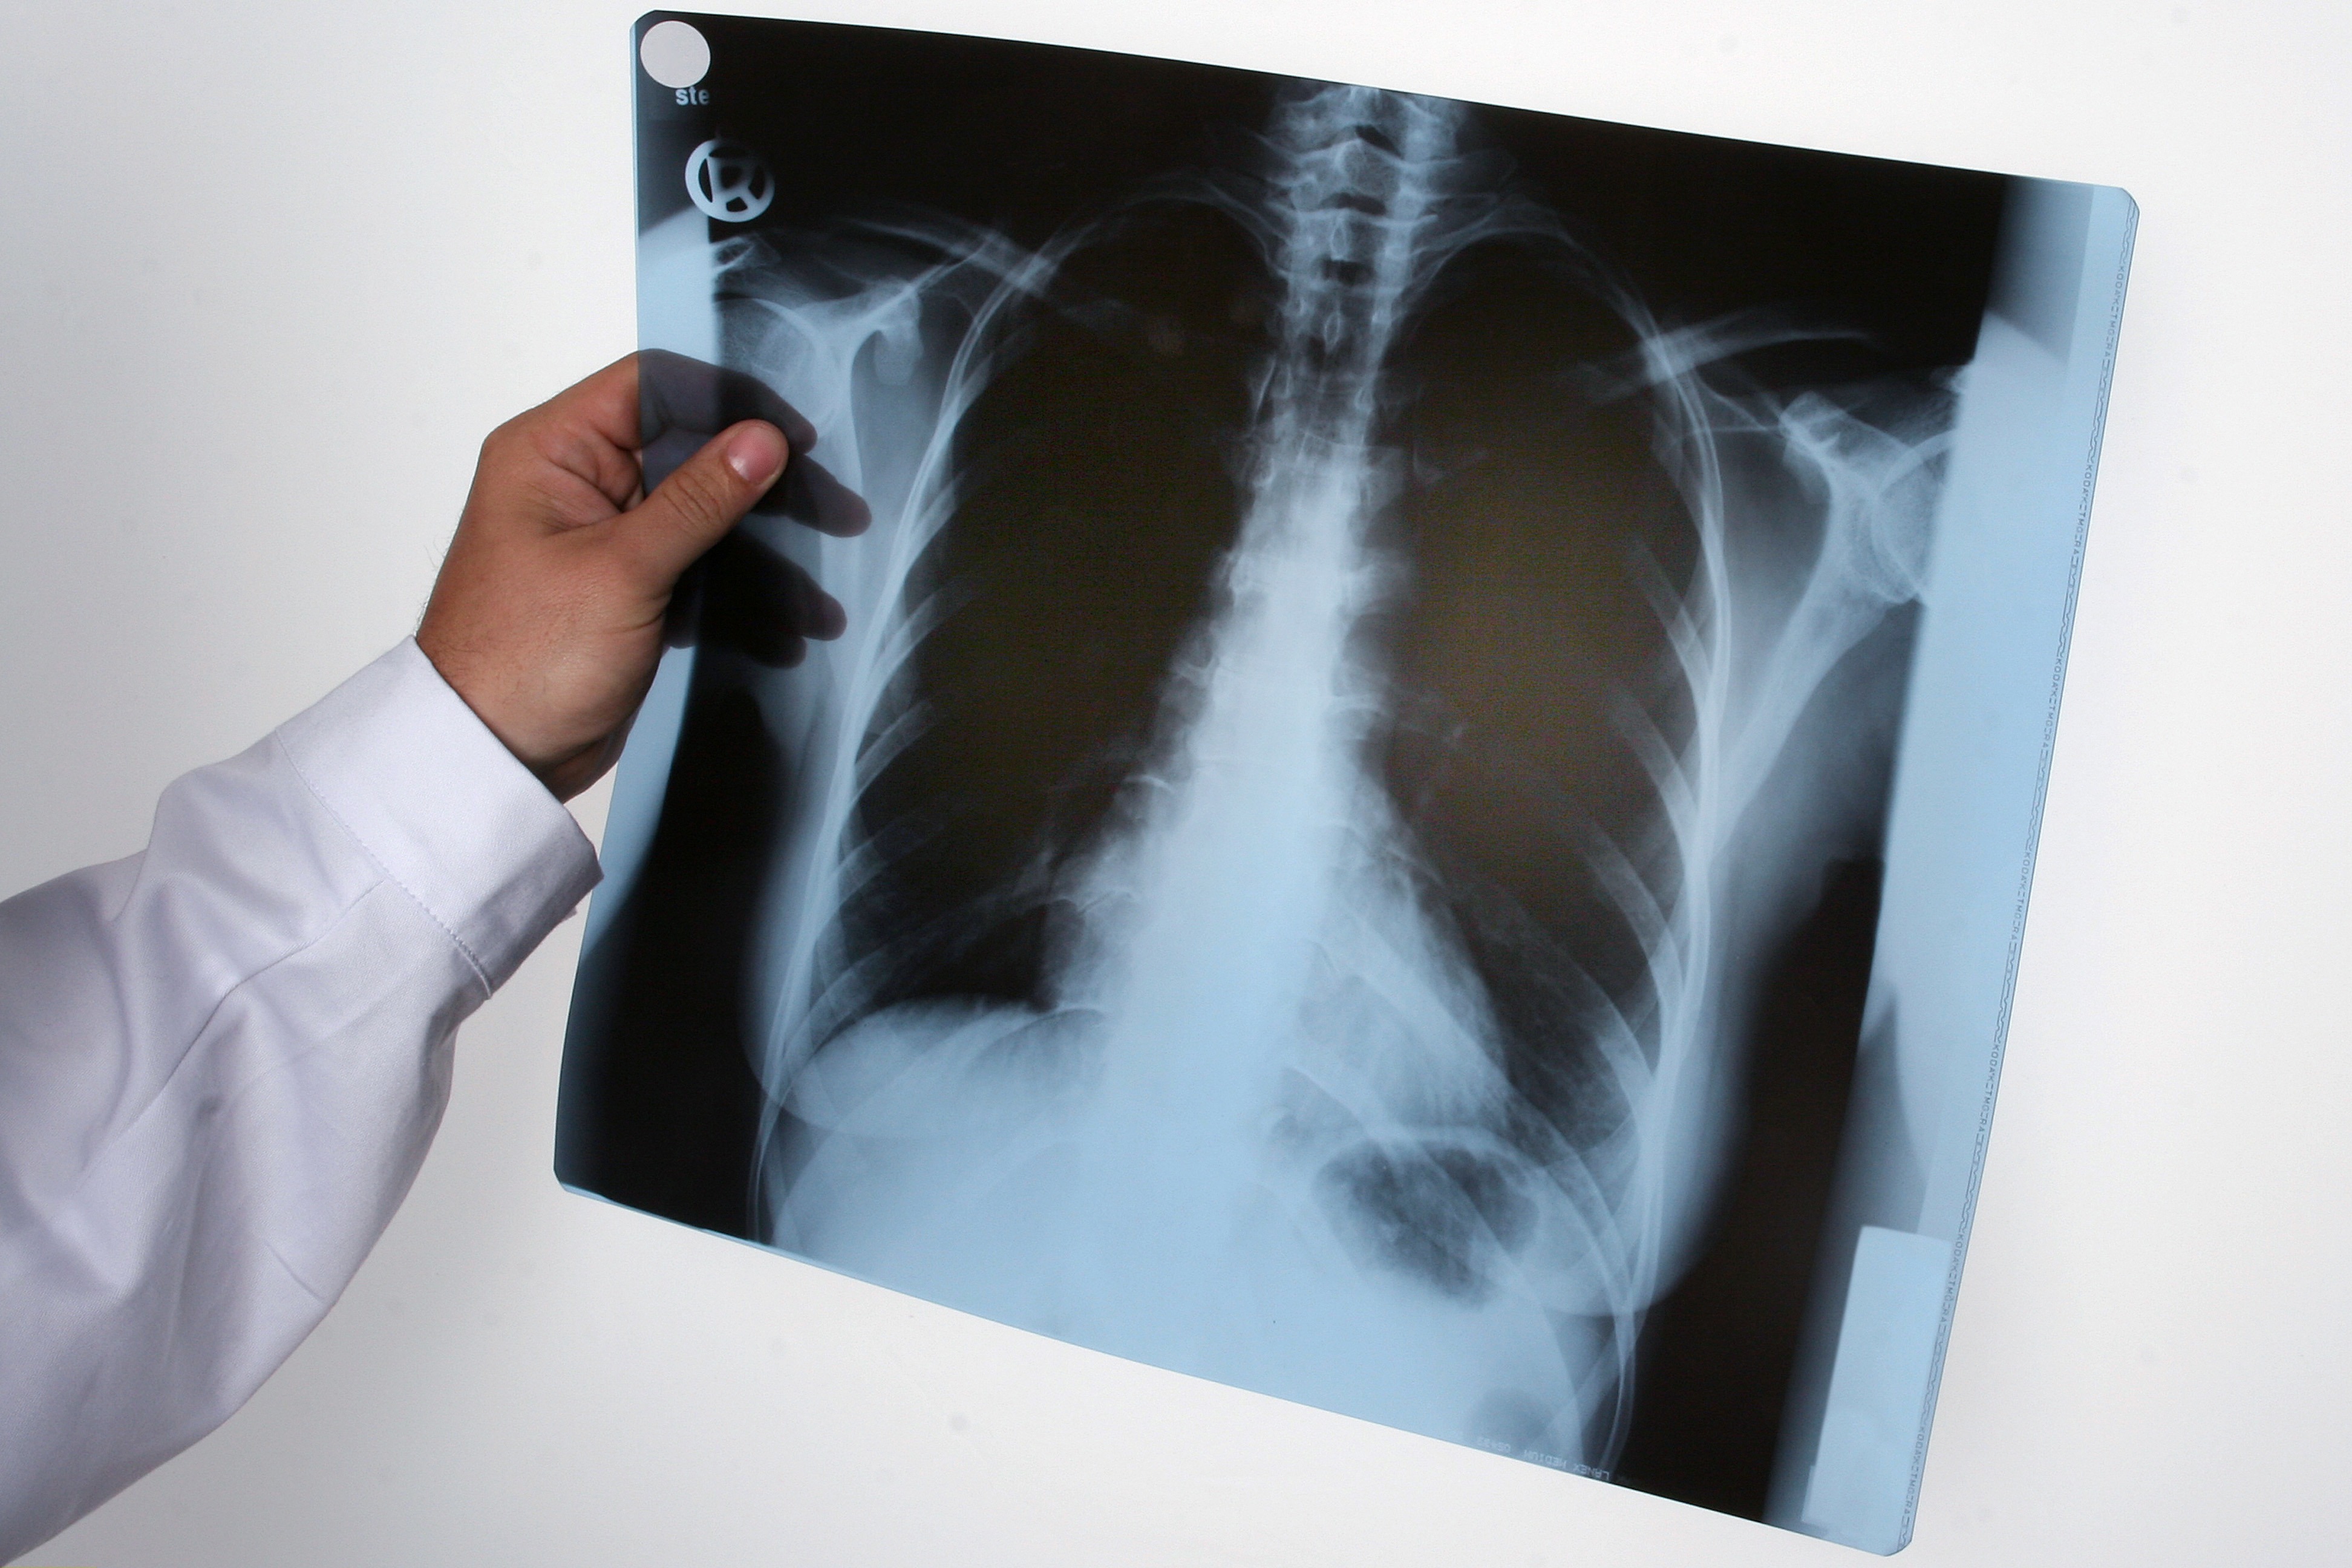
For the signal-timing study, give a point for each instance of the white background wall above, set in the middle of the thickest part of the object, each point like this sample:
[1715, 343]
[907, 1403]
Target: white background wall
[270, 270]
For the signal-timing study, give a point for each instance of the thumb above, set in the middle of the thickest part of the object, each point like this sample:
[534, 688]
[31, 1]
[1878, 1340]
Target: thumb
[708, 494]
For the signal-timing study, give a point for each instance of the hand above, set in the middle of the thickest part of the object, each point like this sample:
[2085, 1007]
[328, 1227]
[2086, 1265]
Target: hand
[546, 616]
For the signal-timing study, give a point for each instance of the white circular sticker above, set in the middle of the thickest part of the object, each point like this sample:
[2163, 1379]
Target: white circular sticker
[675, 54]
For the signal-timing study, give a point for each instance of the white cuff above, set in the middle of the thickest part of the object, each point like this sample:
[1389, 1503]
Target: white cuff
[438, 801]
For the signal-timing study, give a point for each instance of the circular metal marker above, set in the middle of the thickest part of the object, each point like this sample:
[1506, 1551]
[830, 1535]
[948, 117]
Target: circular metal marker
[728, 181]
[675, 54]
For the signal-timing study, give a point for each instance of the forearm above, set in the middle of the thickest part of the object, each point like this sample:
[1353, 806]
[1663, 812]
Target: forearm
[221, 1062]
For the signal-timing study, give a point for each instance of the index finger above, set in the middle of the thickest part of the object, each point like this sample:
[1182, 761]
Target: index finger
[678, 393]
[605, 403]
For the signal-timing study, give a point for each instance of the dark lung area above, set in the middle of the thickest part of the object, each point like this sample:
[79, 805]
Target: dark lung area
[1099, 498]
[1436, 1214]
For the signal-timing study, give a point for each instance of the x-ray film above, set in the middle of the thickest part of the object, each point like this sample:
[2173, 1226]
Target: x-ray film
[1426, 801]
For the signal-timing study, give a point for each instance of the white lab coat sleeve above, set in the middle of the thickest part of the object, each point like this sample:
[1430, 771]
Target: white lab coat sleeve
[221, 1061]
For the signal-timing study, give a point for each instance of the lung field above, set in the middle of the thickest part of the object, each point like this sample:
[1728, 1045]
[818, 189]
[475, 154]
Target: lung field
[1098, 500]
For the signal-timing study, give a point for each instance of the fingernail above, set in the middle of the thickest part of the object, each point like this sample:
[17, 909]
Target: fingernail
[756, 454]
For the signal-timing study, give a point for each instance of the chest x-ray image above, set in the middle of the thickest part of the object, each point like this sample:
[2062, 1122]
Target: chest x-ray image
[1426, 805]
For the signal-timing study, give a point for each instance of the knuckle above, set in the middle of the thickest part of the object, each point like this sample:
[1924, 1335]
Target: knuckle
[502, 447]
[702, 492]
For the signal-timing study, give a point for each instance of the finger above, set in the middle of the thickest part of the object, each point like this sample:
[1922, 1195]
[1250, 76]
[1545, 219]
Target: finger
[588, 430]
[642, 396]
[675, 393]
[605, 403]
[665, 453]
[754, 602]
[709, 493]
[810, 494]
[821, 616]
